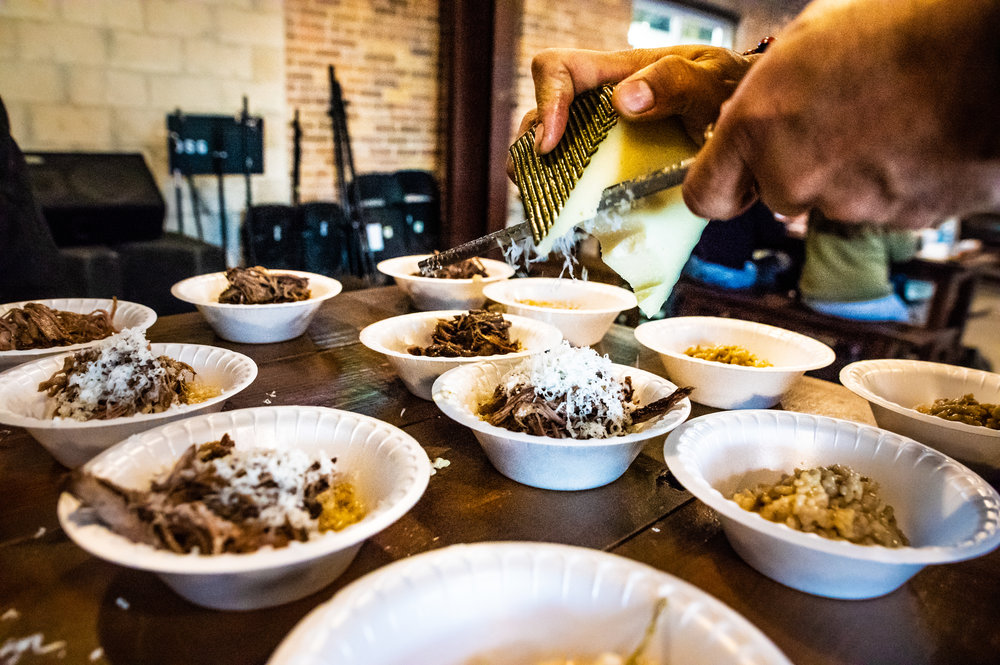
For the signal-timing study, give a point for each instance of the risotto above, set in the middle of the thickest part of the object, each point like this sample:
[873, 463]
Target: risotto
[834, 501]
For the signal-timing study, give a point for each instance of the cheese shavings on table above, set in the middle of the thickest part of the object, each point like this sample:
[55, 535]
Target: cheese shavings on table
[647, 245]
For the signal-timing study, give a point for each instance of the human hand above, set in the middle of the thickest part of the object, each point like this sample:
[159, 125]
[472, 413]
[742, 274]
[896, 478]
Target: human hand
[689, 81]
[866, 110]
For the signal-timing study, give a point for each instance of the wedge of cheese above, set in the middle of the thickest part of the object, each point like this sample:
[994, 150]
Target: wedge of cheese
[647, 245]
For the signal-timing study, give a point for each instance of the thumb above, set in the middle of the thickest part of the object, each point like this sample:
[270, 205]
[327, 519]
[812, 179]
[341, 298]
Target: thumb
[677, 86]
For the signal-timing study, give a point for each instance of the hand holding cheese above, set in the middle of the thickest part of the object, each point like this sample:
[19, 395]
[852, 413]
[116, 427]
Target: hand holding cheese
[646, 245]
[690, 82]
[660, 111]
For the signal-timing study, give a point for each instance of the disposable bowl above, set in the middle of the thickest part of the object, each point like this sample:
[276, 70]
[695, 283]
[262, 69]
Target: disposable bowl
[726, 386]
[947, 511]
[894, 388]
[434, 293]
[255, 324]
[388, 468]
[73, 442]
[548, 462]
[517, 603]
[392, 337]
[583, 311]
[127, 315]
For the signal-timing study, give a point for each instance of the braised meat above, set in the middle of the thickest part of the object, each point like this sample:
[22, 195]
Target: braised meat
[466, 269]
[478, 333]
[219, 499]
[36, 326]
[118, 377]
[259, 286]
[569, 392]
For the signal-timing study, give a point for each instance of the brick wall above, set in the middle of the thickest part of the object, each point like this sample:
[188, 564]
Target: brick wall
[102, 75]
[385, 55]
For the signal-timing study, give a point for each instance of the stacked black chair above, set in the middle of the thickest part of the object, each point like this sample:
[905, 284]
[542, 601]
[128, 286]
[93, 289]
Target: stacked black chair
[380, 199]
[327, 240]
[422, 210]
[272, 237]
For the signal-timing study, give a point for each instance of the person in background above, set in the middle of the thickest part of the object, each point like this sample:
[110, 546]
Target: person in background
[870, 111]
[847, 271]
[741, 253]
[30, 264]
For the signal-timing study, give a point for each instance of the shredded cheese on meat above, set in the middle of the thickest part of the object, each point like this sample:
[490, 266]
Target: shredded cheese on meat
[582, 383]
[272, 480]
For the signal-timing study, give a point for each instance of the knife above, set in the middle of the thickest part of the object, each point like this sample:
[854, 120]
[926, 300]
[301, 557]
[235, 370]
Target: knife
[616, 198]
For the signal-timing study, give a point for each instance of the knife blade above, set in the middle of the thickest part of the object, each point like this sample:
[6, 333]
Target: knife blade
[616, 198]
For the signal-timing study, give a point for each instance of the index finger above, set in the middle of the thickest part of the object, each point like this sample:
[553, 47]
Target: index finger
[562, 74]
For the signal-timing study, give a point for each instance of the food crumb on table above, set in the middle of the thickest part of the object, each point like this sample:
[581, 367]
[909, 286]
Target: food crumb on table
[96, 654]
[439, 463]
[10, 615]
[122, 603]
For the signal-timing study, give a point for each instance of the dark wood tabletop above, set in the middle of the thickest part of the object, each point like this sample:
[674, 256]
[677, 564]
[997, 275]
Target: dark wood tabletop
[85, 610]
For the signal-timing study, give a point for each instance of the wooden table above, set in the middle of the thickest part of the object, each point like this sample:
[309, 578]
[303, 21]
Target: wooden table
[106, 614]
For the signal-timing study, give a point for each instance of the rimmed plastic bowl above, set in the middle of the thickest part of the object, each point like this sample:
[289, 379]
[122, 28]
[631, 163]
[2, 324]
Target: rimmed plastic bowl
[255, 324]
[434, 293]
[726, 386]
[894, 388]
[127, 315]
[517, 603]
[582, 310]
[73, 442]
[393, 336]
[946, 511]
[548, 462]
[388, 468]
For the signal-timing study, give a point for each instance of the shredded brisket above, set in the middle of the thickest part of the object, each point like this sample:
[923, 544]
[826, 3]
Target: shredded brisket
[466, 269]
[36, 326]
[156, 387]
[524, 410]
[258, 286]
[192, 509]
[478, 333]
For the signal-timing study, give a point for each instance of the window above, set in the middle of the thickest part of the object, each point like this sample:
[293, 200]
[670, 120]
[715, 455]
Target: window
[660, 23]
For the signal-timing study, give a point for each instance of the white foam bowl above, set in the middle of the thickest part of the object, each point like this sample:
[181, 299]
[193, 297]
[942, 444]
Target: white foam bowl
[518, 603]
[894, 388]
[548, 462]
[725, 386]
[585, 310]
[433, 293]
[255, 324]
[73, 442]
[392, 337]
[128, 315]
[947, 512]
[388, 468]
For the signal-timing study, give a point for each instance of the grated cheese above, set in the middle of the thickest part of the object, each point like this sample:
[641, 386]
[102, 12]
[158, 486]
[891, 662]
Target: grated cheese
[273, 480]
[581, 382]
[126, 366]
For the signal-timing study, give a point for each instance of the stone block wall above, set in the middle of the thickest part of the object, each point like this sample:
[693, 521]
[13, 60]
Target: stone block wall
[102, 75]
